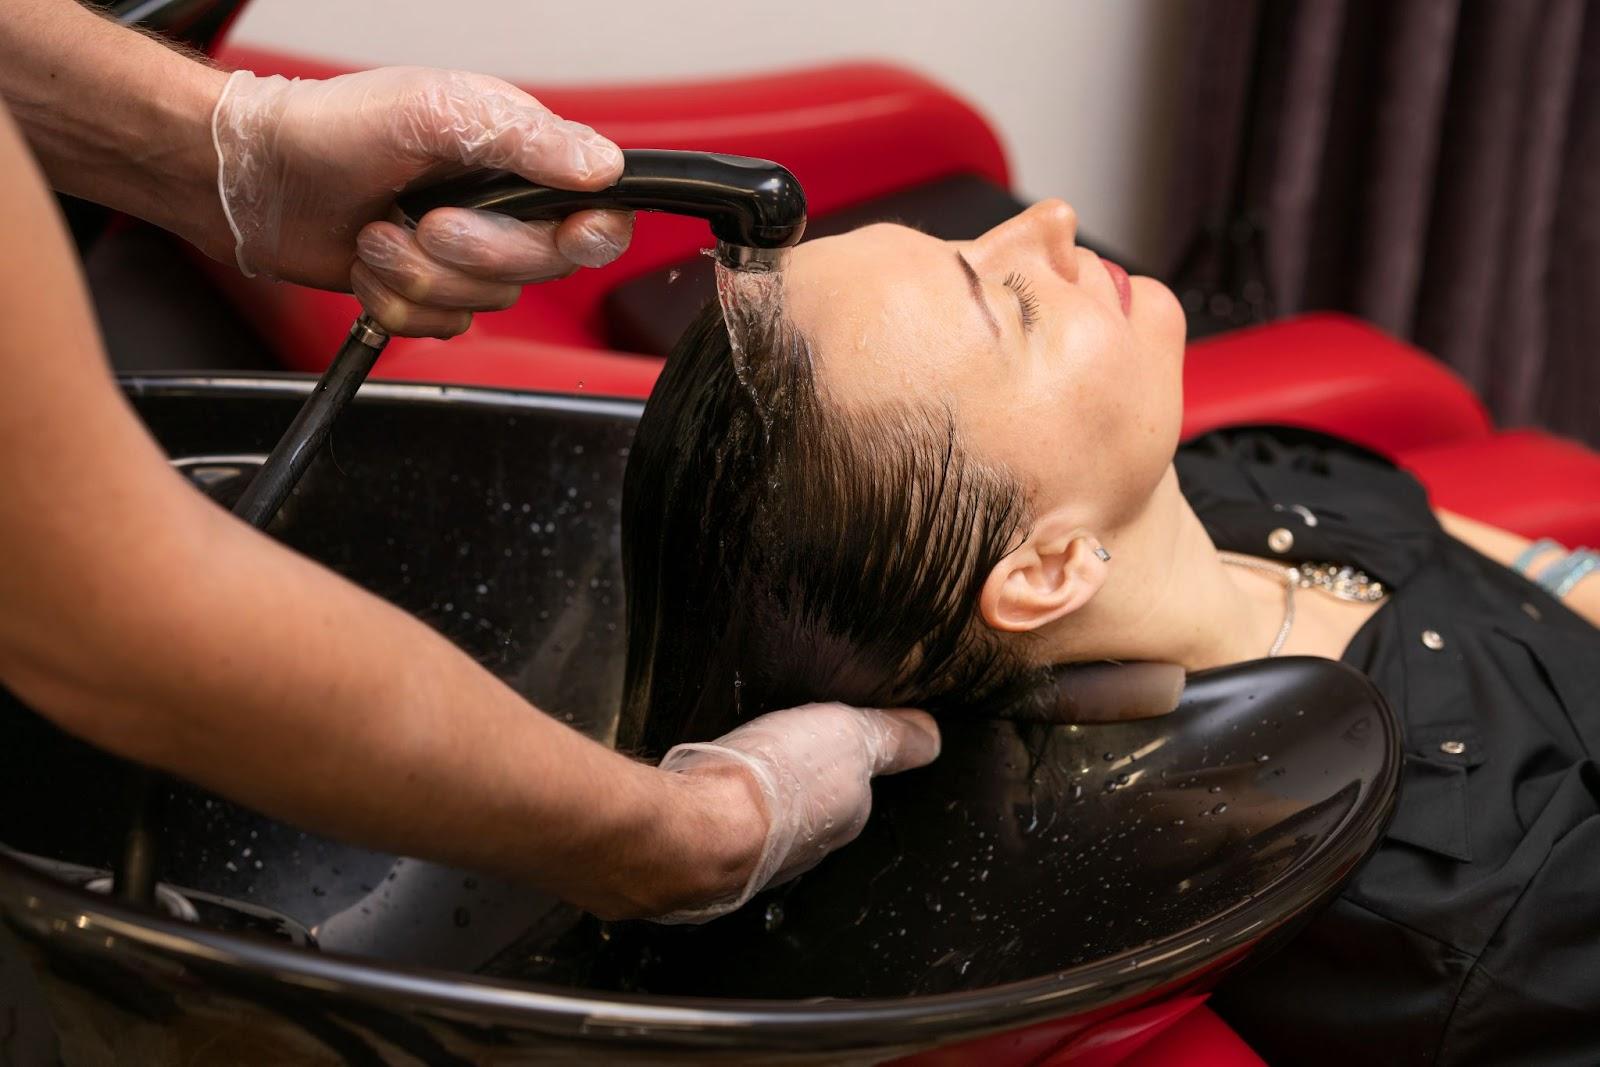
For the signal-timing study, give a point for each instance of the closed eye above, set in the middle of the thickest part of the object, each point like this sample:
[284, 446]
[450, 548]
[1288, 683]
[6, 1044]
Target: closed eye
[1027, 303]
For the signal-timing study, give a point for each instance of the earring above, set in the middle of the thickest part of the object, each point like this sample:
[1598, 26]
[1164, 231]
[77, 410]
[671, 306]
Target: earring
[1102, 553]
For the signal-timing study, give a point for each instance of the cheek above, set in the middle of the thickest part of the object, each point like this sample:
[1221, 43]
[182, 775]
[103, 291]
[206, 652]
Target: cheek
[1093, 418]
[1157, 313]
[1118, 405]
[1100, 377]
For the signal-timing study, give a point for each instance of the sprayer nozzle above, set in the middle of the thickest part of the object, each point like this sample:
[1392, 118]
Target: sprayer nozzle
[751, 260]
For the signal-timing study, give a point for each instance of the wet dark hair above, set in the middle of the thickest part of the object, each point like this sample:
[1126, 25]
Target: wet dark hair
[778, 551]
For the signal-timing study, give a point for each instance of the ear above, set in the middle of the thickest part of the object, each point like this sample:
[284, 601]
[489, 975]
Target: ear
[1053, 573]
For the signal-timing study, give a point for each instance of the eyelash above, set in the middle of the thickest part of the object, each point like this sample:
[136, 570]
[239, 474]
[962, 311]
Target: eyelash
[1025, 299]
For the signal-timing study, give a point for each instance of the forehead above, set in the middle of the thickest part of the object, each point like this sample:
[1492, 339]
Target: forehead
[886, 309]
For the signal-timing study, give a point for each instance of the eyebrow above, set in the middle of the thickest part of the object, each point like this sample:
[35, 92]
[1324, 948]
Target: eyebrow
[977, 293]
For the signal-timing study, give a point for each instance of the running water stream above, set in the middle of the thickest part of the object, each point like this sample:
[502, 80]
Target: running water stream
[752, 303]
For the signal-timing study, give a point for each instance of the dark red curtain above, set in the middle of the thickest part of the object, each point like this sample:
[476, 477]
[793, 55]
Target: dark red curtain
[1432, 166]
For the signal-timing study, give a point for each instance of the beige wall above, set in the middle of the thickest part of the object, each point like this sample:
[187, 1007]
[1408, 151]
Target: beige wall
[1081, 91]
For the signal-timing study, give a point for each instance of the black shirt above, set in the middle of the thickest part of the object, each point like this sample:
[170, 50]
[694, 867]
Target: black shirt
[1473, 934]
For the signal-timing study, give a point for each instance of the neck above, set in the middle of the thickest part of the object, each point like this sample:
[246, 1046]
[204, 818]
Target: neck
[1169, 597]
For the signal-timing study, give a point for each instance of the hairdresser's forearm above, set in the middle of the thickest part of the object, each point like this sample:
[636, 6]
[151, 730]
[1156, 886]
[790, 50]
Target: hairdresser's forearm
[256, 674]
[114, 116]
[139, 616]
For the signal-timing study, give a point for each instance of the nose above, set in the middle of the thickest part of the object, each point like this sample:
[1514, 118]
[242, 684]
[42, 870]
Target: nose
[1046, 231]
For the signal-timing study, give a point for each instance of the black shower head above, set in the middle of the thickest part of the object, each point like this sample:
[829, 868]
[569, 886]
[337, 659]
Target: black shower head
[755, 207]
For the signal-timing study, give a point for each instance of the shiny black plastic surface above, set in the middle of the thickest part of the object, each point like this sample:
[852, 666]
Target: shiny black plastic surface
[754, 203]
[1033, 873]
[1030, 848]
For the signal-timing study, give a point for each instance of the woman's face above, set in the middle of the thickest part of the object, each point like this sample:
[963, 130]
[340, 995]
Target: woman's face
[1055, 363]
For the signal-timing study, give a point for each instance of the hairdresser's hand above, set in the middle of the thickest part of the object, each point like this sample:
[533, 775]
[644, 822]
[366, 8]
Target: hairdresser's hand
[310, 168]
[810, 770]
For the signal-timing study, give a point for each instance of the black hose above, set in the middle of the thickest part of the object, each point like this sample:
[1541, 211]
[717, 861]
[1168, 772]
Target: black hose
[134, 879]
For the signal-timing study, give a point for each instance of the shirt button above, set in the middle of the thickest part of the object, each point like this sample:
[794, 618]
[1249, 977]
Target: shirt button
[1432, 640]
[1452, 748]
[1280, 540]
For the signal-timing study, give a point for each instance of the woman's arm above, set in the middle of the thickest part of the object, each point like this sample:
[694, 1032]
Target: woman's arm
[1502, 546]
[141, 617]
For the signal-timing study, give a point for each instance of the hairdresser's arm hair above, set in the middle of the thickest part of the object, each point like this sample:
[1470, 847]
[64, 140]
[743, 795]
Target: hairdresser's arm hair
[1503, 546]
[139, 616]
[116, 116]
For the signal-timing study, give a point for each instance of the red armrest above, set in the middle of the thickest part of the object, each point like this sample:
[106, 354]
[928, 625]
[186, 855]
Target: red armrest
[1331, 373]
[1522, 480]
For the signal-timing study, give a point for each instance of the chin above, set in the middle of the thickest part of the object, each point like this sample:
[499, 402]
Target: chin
[1157, 312]
[1162, 328]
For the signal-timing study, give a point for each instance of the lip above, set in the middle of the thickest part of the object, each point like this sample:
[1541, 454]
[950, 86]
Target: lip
[1119, 278]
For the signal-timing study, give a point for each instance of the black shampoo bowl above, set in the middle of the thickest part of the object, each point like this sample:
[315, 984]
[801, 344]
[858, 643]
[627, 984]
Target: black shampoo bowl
[1035, 880]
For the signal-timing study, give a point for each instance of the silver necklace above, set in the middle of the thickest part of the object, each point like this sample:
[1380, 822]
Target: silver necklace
[1335, 579]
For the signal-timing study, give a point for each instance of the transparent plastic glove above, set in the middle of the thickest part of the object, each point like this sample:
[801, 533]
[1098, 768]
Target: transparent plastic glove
[813, 767]
[307, 171]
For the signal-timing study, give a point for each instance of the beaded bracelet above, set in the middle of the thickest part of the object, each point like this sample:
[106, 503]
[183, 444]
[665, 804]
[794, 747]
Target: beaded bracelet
[1563, 574]
[1529, 554]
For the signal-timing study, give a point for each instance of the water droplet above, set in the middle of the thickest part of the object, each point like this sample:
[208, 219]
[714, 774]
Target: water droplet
[1219, 809]
[1263, 758]
[1109, 756]
[462, 917]
[1215, 789]
[774, 916]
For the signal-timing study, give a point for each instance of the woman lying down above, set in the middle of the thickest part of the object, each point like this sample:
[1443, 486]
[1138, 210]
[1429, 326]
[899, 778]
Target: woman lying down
[933, 470]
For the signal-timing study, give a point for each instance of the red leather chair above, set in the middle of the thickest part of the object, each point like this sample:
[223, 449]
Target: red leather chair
[1332, 373]
[853, 132]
